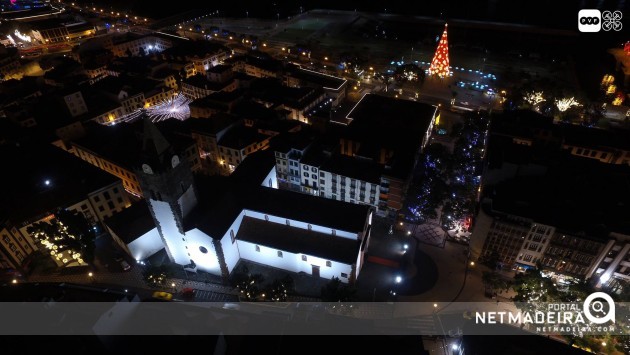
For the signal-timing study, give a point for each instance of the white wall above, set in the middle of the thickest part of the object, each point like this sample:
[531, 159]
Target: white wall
[230, 251]
[209, 261]
[273, 177]
[188, 200]
[292, 262]
[301, 225]
[173, 238]
[146, 245]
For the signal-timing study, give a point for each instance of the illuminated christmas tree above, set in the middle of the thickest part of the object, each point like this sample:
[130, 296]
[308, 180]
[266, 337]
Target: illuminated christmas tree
[440, 62]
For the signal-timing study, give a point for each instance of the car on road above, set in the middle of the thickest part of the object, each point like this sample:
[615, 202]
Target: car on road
[125, 266]
[163, 296]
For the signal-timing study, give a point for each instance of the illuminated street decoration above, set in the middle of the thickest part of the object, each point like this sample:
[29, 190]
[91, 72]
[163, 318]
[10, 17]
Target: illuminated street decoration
[565, 104]
[22, 37]
[534, 98]
[440, 63]
[176, 107]
[608, 80]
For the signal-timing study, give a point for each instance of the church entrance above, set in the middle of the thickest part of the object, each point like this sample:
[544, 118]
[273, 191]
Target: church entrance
[315, 270]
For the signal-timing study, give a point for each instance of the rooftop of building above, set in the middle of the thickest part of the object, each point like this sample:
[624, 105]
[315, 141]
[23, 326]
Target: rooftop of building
[121, 143]
[43, 179]
[324, 80]
[576, 195]
[353, 167]
[201, 81]
[298, 241]
[218, 99]
[268, 64]
[292, 140]
[213, 125]
[132, 222]
[271, 90]
[250, 110]
[221, 200]
[194, 48]
[596, 138]
[522, 123]
[219, 69]
[240, 137]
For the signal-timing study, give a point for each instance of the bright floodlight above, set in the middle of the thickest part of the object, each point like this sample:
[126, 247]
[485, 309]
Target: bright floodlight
[406, 246]
[454, 346]
[47, 182]
[398, 279]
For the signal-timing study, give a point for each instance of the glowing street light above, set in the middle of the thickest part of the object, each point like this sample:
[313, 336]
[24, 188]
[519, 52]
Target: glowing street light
[90, 274]
[14, 281]
[398, 279]
[435, 305]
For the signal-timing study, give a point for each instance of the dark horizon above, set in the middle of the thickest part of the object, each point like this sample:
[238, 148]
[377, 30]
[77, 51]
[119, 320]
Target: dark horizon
[560, 14]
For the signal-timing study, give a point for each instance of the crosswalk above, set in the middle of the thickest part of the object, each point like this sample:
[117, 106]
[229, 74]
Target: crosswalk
[209, 296]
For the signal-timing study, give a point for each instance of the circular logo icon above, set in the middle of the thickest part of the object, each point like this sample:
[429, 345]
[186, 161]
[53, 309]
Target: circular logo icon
[592, 303]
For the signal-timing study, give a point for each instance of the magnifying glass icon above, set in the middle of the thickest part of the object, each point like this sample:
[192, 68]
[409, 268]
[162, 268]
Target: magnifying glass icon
[597, 306]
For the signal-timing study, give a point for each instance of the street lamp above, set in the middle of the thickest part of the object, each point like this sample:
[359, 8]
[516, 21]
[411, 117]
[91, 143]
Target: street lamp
[14, 281]
[398, 279]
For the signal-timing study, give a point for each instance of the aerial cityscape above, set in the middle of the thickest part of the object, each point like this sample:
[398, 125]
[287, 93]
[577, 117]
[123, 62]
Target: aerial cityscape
[451, 179]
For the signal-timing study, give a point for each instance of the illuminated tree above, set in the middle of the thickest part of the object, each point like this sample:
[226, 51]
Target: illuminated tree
[250, 287]
[68, 237]
[156, 276]
[278, 291]
[534, 98]
[440, 63]
[566, 103]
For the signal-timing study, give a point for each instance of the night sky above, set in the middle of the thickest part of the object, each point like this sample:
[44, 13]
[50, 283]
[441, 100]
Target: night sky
[556, 14]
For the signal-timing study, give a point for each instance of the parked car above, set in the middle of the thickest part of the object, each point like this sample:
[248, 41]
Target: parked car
[125, 265]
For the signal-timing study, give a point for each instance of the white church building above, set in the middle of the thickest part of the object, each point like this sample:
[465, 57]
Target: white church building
[210, 223]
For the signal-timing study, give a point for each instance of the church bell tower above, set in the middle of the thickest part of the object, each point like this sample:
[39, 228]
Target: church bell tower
[167, 185]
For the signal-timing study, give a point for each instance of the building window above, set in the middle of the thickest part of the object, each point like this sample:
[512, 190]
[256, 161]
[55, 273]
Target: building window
[304, 258]
[344, 275]
[288, 222]
[98, 199]
[266, 217]
[203, 250]
[101, 208]
[115, 190]
[120, 200]
[111, 206]
[279, 254]
[232, 236]
[328, 263]
[334, 232]
[310, 227]
[84, 206]
[106, 195]
[258, 248]
[321, 174]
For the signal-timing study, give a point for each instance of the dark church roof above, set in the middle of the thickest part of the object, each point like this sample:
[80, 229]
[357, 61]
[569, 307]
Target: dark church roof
[298, 241]
[132, 222]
